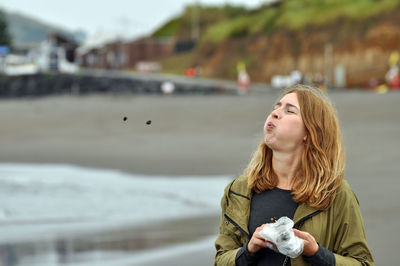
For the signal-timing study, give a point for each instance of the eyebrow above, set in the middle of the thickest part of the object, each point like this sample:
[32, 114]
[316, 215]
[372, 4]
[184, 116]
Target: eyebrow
[288, 104]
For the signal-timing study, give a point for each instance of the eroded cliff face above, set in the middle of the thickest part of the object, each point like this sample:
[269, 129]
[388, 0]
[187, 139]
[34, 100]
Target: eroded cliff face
[362, 48]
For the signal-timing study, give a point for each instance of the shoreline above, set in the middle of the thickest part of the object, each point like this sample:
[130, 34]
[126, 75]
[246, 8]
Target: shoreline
[122, 244]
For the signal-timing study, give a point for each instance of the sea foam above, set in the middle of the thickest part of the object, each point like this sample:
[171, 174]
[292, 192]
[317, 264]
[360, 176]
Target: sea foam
[56, 199]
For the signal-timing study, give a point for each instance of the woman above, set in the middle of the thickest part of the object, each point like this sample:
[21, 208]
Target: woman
[297, 172]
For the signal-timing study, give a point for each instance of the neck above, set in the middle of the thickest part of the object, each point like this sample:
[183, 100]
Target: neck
[285, 166]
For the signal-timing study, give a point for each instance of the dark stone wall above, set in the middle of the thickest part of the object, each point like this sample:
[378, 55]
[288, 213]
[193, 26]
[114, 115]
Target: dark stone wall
[56, 84]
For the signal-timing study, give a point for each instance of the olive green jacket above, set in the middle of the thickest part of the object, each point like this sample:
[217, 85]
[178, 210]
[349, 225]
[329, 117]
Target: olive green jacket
[340, 228]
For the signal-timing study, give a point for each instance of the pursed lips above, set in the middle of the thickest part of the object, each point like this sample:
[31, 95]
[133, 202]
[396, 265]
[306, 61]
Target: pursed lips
[270, 125]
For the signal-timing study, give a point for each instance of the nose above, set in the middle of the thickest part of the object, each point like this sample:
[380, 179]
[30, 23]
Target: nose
[275, 113]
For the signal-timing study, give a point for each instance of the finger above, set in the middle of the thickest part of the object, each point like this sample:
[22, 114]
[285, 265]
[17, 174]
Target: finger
[259, 237]
[260, 243]
[260, 228]
[301, 234]
[255, 245]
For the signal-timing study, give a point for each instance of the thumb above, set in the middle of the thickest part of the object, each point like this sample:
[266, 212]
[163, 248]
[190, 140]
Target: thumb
[300, 234]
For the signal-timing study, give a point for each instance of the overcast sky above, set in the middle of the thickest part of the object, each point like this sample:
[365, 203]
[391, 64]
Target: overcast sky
[135, 17]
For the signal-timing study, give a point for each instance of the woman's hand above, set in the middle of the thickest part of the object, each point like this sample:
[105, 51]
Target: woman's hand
[256, 242]
[310, 245]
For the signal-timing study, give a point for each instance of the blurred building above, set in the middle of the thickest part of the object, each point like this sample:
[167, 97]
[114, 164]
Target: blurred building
[110, 56]
[147, 49]
[57, 54]
[126, 55]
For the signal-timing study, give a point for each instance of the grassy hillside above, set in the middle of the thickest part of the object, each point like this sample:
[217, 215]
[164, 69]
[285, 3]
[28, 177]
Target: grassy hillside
[293, 34]
[208, 15]
[296, 15]
[220, 23]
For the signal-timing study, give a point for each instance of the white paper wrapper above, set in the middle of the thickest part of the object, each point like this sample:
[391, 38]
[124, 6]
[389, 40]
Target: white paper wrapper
[281, 234]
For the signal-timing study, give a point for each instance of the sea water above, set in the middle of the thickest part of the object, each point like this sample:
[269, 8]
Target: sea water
[45, 203]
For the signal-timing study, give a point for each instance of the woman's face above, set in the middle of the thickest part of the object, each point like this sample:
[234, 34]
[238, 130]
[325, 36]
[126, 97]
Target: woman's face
[284, 129]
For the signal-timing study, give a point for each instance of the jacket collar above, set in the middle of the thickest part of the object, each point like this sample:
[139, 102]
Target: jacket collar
[304, 212]
[239, 188]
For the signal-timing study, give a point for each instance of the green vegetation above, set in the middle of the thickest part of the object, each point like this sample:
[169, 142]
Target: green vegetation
[219, 24]
[168, 29]
[176, 64]
[297, 14]
[261, 21]
[208, 15]
[5, 38]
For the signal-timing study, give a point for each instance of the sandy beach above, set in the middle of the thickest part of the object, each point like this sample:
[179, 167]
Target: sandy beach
[205, 135]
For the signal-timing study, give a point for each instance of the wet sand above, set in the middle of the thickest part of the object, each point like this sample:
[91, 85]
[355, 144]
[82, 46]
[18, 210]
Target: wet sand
[202, 135]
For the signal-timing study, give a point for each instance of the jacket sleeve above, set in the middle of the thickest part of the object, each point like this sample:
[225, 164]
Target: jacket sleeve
[350, 247]
[323, 257]
[227, 244]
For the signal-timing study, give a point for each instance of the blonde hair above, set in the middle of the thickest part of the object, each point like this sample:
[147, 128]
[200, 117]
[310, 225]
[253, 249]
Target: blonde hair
[321, 170]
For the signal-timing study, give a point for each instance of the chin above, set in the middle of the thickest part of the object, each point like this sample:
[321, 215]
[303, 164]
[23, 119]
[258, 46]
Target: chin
[268, 143]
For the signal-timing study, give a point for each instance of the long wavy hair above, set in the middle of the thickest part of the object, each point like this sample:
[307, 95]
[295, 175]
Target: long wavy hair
[321, 169]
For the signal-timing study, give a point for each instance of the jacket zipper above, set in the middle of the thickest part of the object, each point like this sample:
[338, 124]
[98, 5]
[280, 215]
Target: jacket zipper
[298, 224]
[305, 218]
[237, 226]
